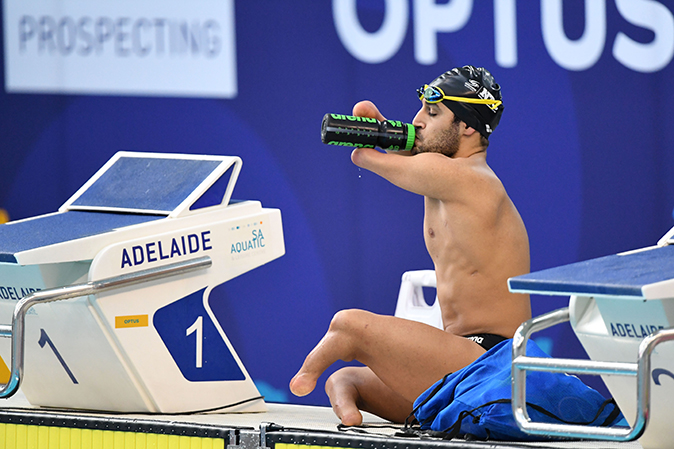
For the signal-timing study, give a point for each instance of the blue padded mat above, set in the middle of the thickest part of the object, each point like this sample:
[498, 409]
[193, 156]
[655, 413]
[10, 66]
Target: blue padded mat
[61, 227]
[611, 275]
[151, 184]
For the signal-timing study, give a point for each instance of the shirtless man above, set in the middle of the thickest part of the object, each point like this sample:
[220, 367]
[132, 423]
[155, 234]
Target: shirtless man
[475, 237]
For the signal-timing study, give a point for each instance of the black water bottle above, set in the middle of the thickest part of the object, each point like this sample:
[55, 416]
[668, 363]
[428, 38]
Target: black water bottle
[351, 131]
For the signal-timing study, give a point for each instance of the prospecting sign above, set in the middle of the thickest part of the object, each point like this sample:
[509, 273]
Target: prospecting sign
[125, 47]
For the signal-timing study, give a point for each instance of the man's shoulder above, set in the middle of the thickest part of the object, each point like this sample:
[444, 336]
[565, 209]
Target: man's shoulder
[480, 170]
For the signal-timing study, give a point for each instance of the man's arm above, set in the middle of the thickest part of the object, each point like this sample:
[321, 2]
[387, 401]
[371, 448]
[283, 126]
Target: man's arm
[429, 174]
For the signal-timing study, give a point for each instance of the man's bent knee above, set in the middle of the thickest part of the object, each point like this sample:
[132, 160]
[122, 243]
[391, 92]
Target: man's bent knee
[346, 320]
[353, 321]
[352, 327]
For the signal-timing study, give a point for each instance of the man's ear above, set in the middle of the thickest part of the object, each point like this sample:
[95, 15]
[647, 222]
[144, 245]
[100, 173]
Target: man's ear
[468, 131]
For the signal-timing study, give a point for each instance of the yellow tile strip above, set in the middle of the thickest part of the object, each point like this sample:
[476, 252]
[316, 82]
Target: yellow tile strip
[20, 436]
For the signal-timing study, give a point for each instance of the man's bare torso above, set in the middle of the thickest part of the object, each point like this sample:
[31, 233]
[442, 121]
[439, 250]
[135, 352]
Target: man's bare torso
[476, 244]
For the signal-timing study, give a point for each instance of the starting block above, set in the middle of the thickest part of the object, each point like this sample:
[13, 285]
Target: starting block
[621, 309]
[139, 249]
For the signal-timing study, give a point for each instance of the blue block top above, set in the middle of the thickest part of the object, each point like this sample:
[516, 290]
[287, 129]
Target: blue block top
[145, 184]
[61, 227]
[130, 189]
[616, 275]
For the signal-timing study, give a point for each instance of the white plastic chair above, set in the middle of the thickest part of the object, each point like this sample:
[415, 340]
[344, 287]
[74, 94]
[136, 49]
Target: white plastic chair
[411, 303]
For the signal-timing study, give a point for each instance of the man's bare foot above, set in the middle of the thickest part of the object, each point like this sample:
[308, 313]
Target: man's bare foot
[343, 396]
[349, 414]
[302, 384]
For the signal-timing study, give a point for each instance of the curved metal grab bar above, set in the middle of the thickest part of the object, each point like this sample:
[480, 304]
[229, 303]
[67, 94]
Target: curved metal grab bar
[17, 329]
[641, 369]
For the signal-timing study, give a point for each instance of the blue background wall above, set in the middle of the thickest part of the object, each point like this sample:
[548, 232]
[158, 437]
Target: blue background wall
[585, 155]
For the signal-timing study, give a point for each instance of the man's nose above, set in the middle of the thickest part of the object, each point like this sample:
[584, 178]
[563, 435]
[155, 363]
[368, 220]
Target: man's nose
[417, 122]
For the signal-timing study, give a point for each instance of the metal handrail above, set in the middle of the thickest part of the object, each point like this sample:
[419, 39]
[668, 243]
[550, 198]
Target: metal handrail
[16, 331]
[641, 369]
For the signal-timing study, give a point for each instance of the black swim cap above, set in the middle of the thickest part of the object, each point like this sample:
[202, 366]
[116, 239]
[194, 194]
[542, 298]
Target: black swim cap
[472, 82]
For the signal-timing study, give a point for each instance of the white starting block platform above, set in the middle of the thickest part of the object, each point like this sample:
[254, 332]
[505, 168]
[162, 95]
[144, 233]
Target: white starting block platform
[138, 250]
[622, 310]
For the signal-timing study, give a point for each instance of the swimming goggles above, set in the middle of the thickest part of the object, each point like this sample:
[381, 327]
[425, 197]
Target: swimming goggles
[433, 94]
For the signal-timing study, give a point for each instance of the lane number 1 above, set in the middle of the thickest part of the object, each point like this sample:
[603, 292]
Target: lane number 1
[45, 340]
[198, 327]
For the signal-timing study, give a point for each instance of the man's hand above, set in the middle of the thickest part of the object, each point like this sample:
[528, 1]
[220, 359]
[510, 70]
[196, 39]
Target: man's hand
[366, 108]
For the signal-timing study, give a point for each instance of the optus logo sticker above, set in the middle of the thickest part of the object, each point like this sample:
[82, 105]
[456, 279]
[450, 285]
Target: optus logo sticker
[131, 321]
[194, 342]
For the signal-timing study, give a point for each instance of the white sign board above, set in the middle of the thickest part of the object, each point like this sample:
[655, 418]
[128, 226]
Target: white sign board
[184, 48]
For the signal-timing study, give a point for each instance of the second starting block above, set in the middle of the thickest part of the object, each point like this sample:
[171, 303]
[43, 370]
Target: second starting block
[621, 309]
